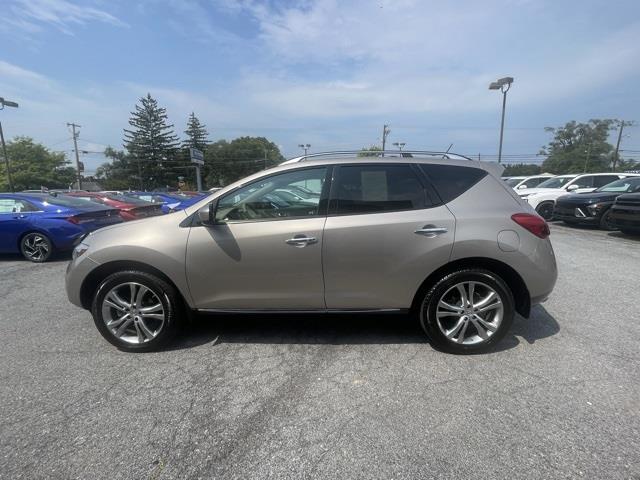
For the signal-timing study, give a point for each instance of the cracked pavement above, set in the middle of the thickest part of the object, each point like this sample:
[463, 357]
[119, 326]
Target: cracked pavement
[329, 397]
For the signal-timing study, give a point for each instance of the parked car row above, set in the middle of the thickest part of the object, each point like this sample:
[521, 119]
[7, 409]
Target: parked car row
[588, 198]
[37, 224]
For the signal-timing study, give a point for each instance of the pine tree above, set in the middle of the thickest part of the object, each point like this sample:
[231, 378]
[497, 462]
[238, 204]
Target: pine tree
[152, 144]
[196, 134]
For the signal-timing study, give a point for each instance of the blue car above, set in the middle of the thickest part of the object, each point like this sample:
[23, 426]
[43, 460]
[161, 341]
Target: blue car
[170, 202]
[37, 224]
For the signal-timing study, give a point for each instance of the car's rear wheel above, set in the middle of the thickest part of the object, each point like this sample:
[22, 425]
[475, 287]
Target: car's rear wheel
[136, 311]
[467, 311]
[545, 210]
[36, 247]
[605, 221]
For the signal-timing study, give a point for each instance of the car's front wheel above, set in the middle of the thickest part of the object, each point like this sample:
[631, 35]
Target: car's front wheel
[545, 210]
[605, 221]
[136, 311]
[36, 247]
[467, 311]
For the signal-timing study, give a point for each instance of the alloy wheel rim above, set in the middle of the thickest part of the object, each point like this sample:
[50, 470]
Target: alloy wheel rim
[133, 313]
[546, 211]
[36, 247]
[469, 313]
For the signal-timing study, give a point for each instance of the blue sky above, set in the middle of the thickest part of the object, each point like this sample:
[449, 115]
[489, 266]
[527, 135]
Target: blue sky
[325, 72]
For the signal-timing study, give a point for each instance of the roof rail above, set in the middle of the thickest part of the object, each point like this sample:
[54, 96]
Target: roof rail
[380, 153]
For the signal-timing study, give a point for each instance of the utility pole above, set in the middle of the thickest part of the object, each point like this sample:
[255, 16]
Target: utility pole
[305, 147]
[6, 159]
[385, 133]
[75, 146]
[6, 103]
[615, 156]
[586, 160]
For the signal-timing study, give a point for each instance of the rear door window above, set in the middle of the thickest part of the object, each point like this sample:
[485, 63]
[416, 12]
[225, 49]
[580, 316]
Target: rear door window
[451, 181]
[361, 189]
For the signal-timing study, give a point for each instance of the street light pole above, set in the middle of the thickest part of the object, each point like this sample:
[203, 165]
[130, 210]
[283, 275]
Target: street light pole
[503, 84]
[6, 103]
[304, 146]
[400, 146]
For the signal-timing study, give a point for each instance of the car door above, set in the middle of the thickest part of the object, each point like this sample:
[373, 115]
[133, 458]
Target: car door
[15, 219]
[265, 251]
[385, 232]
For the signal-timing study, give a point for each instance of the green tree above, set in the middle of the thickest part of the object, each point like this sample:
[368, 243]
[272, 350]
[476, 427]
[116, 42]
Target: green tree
[153, 145]
[226, 162]
[120, 173]
[521, 169]
[34, 166]
[579, 147]
[370, 151]
[196, 132]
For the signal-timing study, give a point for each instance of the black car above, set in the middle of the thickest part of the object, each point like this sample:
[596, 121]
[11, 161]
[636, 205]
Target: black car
[594, 208]
[625, 213]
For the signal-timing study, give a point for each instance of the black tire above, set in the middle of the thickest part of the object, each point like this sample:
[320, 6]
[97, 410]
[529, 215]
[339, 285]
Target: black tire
[165, 292]
[429, 305]
[630, 231]
[36, 247]
[605, 221]
[545, 210]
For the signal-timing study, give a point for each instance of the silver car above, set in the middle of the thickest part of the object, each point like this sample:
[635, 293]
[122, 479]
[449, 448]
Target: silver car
[442, 237]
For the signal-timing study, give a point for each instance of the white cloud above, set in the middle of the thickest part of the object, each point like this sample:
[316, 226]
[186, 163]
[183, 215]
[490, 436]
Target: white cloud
[32, 15]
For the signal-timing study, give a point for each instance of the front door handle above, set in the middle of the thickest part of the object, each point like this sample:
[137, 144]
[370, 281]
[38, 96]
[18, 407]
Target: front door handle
[301, 241]
[431, 231]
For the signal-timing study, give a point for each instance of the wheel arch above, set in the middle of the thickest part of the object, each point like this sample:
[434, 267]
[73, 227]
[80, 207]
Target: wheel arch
[93, 279]
[512, 278]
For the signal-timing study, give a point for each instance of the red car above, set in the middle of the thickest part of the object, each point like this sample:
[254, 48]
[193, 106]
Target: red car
[130, 208]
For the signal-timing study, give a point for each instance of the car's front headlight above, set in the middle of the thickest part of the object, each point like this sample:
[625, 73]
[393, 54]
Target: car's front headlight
[595, 208]
[79, 250]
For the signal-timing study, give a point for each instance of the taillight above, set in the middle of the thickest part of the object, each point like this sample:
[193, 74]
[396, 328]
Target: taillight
[78, 220]
[533, 223]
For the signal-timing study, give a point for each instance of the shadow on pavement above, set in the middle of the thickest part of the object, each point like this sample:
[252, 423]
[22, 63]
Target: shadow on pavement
[56, 257]
[626, 236]
[340, 329]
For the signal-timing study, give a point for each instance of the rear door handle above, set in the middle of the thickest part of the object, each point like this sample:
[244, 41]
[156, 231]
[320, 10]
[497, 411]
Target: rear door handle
[431, 231]
[301, 241]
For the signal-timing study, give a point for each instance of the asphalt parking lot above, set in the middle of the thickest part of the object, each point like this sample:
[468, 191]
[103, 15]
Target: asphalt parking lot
[337, 397]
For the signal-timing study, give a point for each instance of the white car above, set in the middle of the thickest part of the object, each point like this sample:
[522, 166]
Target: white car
[543, 197]
[532, 181]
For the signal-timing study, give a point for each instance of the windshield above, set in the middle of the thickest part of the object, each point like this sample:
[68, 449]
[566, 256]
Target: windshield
[625, 185]
[512, 182]
[555, 182]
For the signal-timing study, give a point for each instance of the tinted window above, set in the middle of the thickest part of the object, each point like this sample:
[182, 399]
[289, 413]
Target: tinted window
[626, 185]
[584, 182]
[274, 197]
[377, 188]
[533, 182]
[602, 180]
[451, 181]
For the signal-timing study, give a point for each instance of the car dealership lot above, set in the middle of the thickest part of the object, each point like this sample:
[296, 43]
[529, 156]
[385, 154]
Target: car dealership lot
[359, 397]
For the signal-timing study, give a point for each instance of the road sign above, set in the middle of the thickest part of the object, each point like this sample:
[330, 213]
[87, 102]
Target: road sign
[197, 156]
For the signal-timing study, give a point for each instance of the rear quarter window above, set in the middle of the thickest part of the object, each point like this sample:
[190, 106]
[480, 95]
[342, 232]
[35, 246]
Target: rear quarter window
[451, 181]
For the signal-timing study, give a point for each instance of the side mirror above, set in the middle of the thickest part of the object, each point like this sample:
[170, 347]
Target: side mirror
[573, 187]
[207, 214]
[521, 187]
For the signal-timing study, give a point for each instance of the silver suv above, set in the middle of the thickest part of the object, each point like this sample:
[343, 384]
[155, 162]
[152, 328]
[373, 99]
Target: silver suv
[438, 236]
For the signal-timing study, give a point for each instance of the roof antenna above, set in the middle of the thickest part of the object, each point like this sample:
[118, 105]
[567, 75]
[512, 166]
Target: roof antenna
[445, 153]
